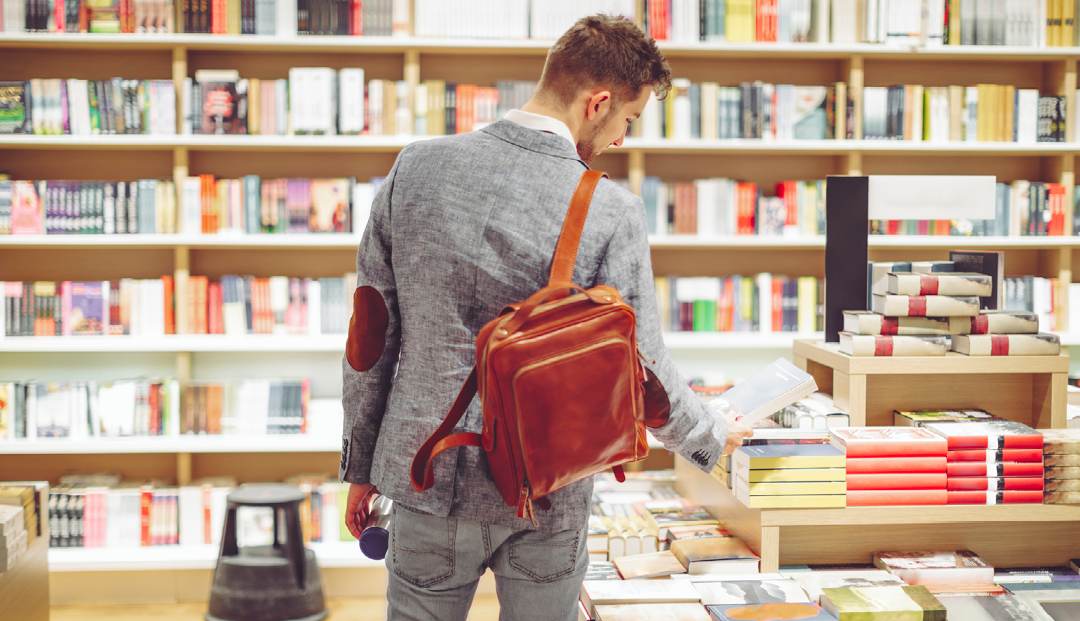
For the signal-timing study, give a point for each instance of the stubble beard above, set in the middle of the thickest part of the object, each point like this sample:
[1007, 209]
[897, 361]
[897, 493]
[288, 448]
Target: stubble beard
[590, 146]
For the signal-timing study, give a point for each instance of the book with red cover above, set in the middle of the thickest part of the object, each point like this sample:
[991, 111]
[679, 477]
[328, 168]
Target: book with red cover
[989, 434]
[995, 498]
[879, 465]
[994, 484]
[897, 481]
[884, 498]
[991, 469]
[887, 441]
[996, 455]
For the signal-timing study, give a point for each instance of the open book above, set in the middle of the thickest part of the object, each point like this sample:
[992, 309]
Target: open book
[762, 394]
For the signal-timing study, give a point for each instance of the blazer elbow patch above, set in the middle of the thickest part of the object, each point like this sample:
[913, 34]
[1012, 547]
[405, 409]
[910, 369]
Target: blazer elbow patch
[367, 329]
[657, 404]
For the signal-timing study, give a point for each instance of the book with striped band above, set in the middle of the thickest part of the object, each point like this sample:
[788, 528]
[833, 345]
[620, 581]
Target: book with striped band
[992, 456]
[956, 283]
[995, 484]
[866, 322]
[1004, 322]
[995, 498]
[861, 345]
[990, 434]
[992, 469]
[926, 305]
[1041, 344]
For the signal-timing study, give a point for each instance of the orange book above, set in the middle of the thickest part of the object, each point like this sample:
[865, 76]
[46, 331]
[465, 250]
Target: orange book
[214, 406]
[214, 320]
[170, 312]
[879, 498]
[897, 481]
[197, 288]
[146, 493]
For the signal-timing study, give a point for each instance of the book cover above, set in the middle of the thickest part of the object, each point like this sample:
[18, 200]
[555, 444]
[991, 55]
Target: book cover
[1041, 344]
[87, 313]
[989, 262]
[901, 603]
[770, 389]
[874, 346]
[890, 497]
[926, 305]
[26, 211]
[794, 475]
[648, 565]
[652, 612]
[954, 284]
[812, 582]
[995, 498]
[1061, 441]
[13, 106]
[995, 455]
[708, 555]
[776, 456]
[609, 592]
[918, 418]
[675, 533]
[602, 570]
[936, 567]
[879, 465]
[1061, 473]
[994, 469]
[329, 206]
[870, 323]
[790, 610]
[887, 442]
[1004, 322]
[991, 434]
[810, 121]
[995, 484]
[1006, 607]
[744, 591]
[897, 481]
[932, 267]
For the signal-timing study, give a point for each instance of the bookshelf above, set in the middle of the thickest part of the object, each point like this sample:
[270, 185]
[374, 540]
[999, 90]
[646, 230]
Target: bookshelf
[481, 62]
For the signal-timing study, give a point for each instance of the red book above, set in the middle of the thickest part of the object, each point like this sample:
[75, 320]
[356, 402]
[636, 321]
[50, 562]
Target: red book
[1000, 469]
[1056, 199]
[214, 321]
[897, 481]
[154, 405]
[989, 434]
[146, 494]
[887, 442]
[994, 484]
[777, 303]
[879, 465]
[991, 456]
[881, 498]
[356, 19]
[995, 498]
[207, 499]
[170, 314]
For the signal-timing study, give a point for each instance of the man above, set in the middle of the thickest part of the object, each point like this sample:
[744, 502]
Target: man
[462, 226]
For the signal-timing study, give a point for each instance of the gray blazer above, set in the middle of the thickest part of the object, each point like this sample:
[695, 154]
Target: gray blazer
[462, 226]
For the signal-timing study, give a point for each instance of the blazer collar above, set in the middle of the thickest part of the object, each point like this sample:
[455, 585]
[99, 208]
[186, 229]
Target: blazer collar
[533, 140]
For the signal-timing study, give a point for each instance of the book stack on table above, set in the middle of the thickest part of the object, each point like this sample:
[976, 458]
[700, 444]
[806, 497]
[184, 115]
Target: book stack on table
[18, 522]
[789, 475]
[1061, 459]
[892, 465]
[979, 450]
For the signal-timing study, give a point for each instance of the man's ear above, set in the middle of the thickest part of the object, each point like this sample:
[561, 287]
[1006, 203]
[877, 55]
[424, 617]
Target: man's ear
[598, 105]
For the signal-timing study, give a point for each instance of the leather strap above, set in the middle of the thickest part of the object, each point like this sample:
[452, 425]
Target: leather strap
[422, 465]
[562, 265]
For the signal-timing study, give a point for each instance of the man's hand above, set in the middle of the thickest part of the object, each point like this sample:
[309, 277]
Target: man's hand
[736, 433]
[358, 506]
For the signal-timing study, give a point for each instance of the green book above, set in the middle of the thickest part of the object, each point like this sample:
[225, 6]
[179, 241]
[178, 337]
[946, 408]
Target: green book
[882, 603]
[704, 316]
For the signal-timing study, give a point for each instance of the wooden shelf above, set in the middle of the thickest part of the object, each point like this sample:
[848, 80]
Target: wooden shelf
[177, 343]
[321, 240]
[227, 443]
[159, 558]
[1004, 535]
[1027, 389]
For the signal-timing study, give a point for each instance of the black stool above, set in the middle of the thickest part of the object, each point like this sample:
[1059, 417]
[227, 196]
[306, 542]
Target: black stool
[279, 582]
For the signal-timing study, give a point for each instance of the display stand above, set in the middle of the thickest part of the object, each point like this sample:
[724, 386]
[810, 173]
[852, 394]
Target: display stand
[24, 589]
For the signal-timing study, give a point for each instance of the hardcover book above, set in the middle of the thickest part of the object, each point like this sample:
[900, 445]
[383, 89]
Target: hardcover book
[1061, 473]
[675, 533]
[995, 484]
[770, 389]
[741, 612]
[916, 419]
[1007, 607]
[652, 612]
[932, 267]
[861, 345]
[926, 305]
[649, 565]
[995, 498]
[929, 567]
[996, 455]
[891, 497]
[897, 481]
[812, 582]
[887, 442]
[1004, 322]
[715, 555]
[876, 465]
[1041, 344]
[774, 456]
[1035, 574]
[989, 262]
[791, 488]
[869, 323]
[609, 592]
[877, 275]
[1061, 441]
[743, 591]
[992, 434]
[900, 603]
[956, 283]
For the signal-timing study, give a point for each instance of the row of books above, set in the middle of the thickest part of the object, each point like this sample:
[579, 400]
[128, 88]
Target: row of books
[719, 206]
[751, 110]
[980, 113]
[206, 205]
[88, 107]
[79, 410]
[147, 307]
[763, 303]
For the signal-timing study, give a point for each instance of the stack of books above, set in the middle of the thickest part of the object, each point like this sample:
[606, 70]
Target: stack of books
[933, 568]
[789, 475]
[18, 522]
[989, 446]
[1061, 457]
[1006, 333]
[892, 465]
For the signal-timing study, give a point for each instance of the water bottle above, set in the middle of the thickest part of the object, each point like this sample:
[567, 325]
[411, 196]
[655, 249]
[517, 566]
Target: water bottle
[374, 539]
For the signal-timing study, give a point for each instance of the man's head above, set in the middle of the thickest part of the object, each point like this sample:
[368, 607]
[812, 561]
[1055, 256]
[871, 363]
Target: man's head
[601, 72]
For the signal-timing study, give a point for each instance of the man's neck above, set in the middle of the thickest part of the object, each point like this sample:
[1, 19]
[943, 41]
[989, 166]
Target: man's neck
[535, 107]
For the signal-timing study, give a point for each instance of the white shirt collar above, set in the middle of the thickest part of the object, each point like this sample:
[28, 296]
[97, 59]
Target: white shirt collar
[541, 123]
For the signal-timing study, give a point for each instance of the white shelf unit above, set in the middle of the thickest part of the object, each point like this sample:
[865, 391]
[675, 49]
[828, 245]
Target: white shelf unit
[299, 443]
[160, 558]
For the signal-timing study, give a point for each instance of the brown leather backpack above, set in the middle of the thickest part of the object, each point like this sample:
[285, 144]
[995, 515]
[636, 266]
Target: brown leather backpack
[560, 381]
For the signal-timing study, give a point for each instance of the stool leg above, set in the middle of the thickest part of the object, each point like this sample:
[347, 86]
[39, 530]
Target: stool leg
[294, 544]
[278, 536]
[228, 533]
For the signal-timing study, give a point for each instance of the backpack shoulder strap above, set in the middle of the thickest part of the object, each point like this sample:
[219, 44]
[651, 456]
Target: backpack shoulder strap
[562, 265]
[422, 471]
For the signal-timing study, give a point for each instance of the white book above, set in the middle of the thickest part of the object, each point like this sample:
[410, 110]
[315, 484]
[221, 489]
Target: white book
[765, 313]
[1027, 115]
[971, 112]
[185, 107]
[767, 391]
[363, 196]
[285, 18]
[281, 112]
[651, 117]
[191, 206]
[314, 316]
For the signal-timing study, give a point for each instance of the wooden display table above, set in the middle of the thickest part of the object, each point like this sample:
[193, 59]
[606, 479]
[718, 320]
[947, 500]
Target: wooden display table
[1026, 389]
[1004, 535]
[24, 590]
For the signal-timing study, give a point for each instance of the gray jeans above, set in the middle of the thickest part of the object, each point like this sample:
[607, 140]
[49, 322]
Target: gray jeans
[435, 564]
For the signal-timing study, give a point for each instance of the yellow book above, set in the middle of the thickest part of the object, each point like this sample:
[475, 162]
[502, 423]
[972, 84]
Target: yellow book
[669, 115]
[1068, 24]
[795, 475]
[807, 309]
[1053, 18]
[983, 114]
[774, 456]
[803, 488]
[1008, 102]
[840, 111]
[956, 113]
[254, 105]
[954, 22]
[389, 89]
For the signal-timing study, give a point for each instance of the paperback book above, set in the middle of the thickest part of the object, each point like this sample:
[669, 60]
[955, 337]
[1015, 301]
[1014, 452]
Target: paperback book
[1004, 322]
[899, 603]
[812, 582]
[859, 442]
[740, 612]
[652, 612]
[995, 498]
[916, 419]
[1061, 441]
[1061, 460]
[991, 434]
[747, 590]
[878, 465]
[715, 555]
[649, 565]
[993, 456]
[897, 481]
[1006, 607]
[869, 323]
[771, 457]
[770, 389]
[896, 497]
[608, 592]
[995, 484]
[933, 567]
[954, 284]
[861, 345]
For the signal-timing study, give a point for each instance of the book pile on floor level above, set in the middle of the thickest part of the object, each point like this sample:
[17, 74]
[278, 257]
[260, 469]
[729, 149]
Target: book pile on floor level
[892, 465]
[1061, 458]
